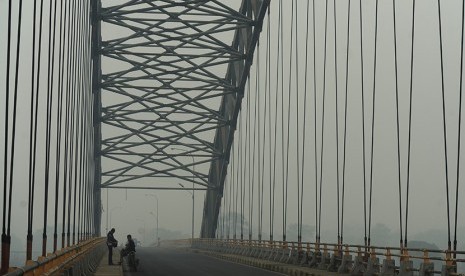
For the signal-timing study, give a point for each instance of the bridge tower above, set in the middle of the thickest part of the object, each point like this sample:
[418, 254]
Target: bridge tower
[167, 91]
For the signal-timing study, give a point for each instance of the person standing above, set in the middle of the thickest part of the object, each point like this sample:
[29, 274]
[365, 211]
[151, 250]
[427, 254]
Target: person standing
[111, 242]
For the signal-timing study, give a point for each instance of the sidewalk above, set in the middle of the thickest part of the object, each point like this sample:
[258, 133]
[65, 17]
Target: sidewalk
[108, 270]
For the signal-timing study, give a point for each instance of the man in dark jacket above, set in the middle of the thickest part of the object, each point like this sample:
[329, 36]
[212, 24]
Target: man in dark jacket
[129, 247]
[111, 242]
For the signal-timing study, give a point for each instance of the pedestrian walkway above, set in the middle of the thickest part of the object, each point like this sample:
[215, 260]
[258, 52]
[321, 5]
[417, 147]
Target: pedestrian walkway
[108, 270]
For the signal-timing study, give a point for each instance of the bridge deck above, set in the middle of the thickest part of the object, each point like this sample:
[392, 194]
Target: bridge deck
[287, 269]
[108, 270]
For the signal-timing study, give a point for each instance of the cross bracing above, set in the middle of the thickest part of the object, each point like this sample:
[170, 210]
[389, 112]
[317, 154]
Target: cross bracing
[171, 83]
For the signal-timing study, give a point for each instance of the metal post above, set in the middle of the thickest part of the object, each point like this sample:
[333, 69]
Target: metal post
[156, 198]
[193, 208]
[158, 238]
[143, 221]
[111, 213]
[106, 226]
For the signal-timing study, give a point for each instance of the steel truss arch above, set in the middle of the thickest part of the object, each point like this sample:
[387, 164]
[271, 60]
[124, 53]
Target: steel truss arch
[168, 89]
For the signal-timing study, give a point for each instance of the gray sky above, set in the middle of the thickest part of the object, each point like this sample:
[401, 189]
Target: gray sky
[427, 194]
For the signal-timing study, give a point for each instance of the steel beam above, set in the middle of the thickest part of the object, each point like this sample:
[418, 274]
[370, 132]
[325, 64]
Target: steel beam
[171, 74]
[244, 42]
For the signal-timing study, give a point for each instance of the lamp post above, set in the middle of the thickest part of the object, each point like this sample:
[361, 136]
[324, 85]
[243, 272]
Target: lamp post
[193, 194]
[111, 213]
[106, 228]
[156, 198]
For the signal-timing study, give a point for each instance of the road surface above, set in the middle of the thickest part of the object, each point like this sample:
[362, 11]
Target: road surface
[179, 261]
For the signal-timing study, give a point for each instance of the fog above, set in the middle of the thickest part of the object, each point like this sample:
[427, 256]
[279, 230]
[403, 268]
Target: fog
[135, 212]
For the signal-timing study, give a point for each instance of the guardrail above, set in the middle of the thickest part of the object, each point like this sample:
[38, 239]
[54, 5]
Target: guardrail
[342, 258]
[79, 259]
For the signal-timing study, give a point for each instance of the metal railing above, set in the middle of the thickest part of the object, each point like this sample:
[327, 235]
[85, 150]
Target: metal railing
[74, 260]
[343, 258]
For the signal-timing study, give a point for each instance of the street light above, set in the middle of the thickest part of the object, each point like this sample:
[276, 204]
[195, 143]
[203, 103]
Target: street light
[193, 175]
[106, 228]
[156, 236]
[156, 198]
[192, 194]
[111, 212]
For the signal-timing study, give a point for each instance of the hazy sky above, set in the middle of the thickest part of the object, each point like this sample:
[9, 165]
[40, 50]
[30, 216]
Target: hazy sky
[427, 176]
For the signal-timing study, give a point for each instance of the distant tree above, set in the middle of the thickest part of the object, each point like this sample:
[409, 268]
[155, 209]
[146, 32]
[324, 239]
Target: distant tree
[382, 235]
[424, 246]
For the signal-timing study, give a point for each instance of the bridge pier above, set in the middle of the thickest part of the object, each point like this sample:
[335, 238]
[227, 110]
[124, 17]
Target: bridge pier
[426, 269]
[448, 270]
[388, 268]
[358, 266]
[346, 264]
[372, 266]
[405, 268]
[325, 259]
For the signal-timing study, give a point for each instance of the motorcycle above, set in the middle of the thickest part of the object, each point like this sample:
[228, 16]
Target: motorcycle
[133, 262]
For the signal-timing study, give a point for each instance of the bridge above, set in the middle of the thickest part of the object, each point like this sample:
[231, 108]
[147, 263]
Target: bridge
[320, 134]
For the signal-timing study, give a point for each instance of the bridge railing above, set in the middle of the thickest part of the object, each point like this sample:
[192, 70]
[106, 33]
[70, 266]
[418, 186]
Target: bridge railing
[343, 258]
[79, 259]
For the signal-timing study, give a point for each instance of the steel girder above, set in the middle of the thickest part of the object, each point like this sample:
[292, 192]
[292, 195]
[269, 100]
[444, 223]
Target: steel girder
[244, 42]
[168, 89]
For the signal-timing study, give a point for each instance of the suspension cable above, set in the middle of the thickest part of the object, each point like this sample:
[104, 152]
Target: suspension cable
[13, 132]
[246, 154]
[285, 197]
[409, 125]
[323, 123]
[255, 141]
[73, 119]
[315, 123]
[459, 131]
[363, 127]
[259, 155]
[337, 125]
[398, 120]
[249, 137]
[223, 208]
[282, 120]
[375, 59]
[71, 10]
[266, 91]
[5, 238]
[239, 175]
[79, 136]
[278, 54]
[345, 122]
[444, 127]
[270, 149]
[50, 77]
[236, 188]
[299, 222]
[305, 117]
[229, 205]
[32, 143]
[61, 44]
